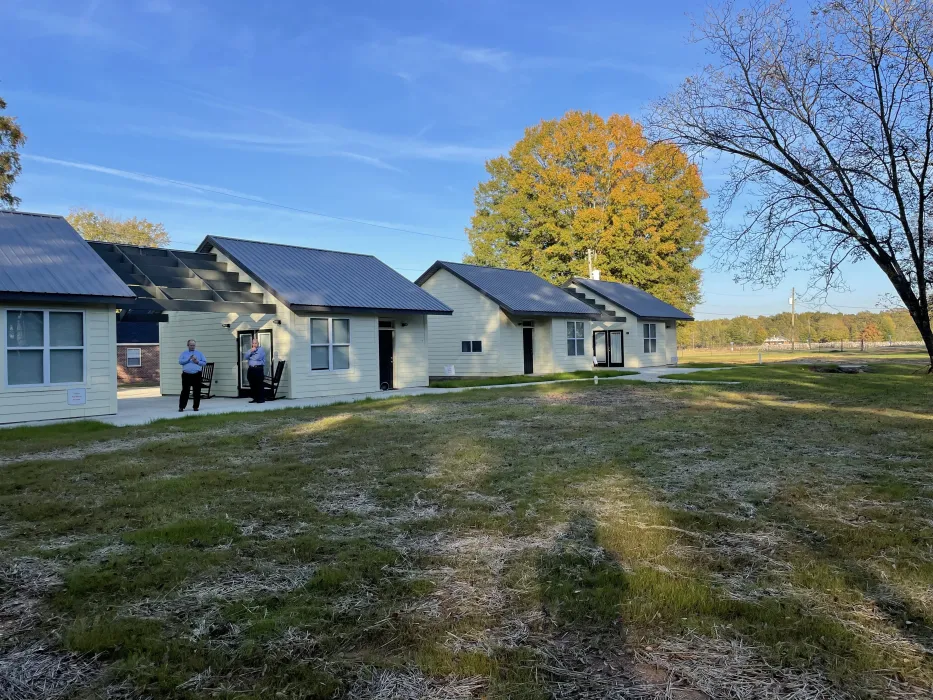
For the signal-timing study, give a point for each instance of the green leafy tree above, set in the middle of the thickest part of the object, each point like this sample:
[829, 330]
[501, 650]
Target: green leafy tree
[12, 139]
[95, 226]
[886, 326]
[583, 183]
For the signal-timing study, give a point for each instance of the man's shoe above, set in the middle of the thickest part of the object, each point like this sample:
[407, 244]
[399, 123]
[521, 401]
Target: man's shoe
[181, 410]
[253, 401]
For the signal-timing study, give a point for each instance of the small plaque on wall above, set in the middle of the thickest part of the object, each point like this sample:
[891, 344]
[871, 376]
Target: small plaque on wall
[77, 397]
[449, 371]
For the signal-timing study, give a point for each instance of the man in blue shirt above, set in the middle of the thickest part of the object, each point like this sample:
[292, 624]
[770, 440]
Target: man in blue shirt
[256, 370]
[192, 364]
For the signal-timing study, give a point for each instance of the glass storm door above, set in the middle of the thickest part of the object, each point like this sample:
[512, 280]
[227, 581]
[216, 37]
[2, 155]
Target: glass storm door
[245, 342]
[616, 355]
[599, 348]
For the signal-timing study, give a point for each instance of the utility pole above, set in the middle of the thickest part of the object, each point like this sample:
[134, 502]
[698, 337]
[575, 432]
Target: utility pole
[793, 318]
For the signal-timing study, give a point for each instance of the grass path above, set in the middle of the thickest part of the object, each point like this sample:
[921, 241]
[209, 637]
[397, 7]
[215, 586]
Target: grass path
[557, 541]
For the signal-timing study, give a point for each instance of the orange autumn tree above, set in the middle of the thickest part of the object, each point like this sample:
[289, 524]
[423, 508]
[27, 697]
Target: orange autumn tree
[584, 183]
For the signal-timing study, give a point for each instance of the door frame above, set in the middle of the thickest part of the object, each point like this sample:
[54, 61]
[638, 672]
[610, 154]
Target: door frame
[391, 334]
[243, 392]
[528, 361]
[607, 344]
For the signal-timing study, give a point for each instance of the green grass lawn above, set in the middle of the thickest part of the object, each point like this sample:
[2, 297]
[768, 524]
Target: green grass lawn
[558, 541]
[527, 378]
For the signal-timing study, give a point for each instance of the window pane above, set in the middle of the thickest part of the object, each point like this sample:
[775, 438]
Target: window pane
[133, 357]
[570, 329]
[65, 329]
[579, 342]
[24, 329]
[579, 330]
[654, 346]
[319, 334]
[341, 357]
[465, 346]
[571, 346]
[319, 357]
[24, 367]
[342, 330]
[66, 366]
[477, 346]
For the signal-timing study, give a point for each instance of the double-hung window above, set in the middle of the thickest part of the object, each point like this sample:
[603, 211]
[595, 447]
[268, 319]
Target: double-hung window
[575, 344]
[650, 332]
[134, 357]
[44, 347]
[330, 343]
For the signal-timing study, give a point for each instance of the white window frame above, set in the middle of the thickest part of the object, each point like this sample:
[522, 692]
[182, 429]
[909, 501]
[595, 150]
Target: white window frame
[330, 344]
[578, 339]
[649, 333]
[46, 349]
[471, 351]
[139, 357]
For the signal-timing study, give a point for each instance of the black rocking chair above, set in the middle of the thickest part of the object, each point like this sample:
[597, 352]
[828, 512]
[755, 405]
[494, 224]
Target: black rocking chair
[207, 378]
[271, 384]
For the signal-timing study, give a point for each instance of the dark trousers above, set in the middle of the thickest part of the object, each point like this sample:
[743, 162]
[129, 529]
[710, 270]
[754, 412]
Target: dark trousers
[255, 375]
[189, 382]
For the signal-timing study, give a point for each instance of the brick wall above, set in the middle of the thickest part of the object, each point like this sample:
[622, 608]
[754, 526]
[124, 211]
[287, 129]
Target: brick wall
[147, 372]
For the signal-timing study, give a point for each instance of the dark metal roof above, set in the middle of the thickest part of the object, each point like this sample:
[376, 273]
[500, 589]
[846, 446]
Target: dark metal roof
[636, 300]
[309, 279]
[518, 292]
[43, 259]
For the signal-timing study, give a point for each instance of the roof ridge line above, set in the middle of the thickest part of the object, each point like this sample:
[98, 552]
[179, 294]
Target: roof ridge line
[289, 245]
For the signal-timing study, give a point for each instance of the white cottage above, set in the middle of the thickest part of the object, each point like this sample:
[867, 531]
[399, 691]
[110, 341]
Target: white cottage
[58, 300]
[505, 322]
[636, 329]
[342, 323]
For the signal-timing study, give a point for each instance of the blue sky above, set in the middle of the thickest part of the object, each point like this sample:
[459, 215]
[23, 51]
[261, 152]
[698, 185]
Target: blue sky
[374, 111]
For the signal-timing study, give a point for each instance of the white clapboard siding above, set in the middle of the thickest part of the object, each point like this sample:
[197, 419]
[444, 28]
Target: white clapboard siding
[411, 351]
[475, 317]
[20, 404]
[564, 362]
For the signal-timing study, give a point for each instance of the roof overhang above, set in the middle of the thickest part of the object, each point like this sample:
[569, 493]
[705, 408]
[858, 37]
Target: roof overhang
[63, 298]
[311, 309]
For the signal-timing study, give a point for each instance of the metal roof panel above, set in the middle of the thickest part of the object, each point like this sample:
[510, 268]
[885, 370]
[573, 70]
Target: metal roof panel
[636, 300]
[43, 254]
[310, 277]
[516, 291]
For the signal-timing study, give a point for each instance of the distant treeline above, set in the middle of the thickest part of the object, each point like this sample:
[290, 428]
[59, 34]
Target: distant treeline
[893, 325]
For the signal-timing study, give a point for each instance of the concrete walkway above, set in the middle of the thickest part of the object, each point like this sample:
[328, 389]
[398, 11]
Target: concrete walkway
[141, 406]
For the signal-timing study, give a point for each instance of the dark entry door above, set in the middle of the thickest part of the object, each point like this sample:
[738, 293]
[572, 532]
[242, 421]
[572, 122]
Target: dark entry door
[386, 359]
[528, 343]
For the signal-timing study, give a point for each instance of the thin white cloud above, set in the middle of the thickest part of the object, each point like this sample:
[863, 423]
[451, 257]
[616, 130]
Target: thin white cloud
[412, 57]
[137, 177]
[272, 131]
[368, 160]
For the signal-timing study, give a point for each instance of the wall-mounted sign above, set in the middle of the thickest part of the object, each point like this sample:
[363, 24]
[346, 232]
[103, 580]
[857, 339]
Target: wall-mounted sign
[77, 397]
[449, 371]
